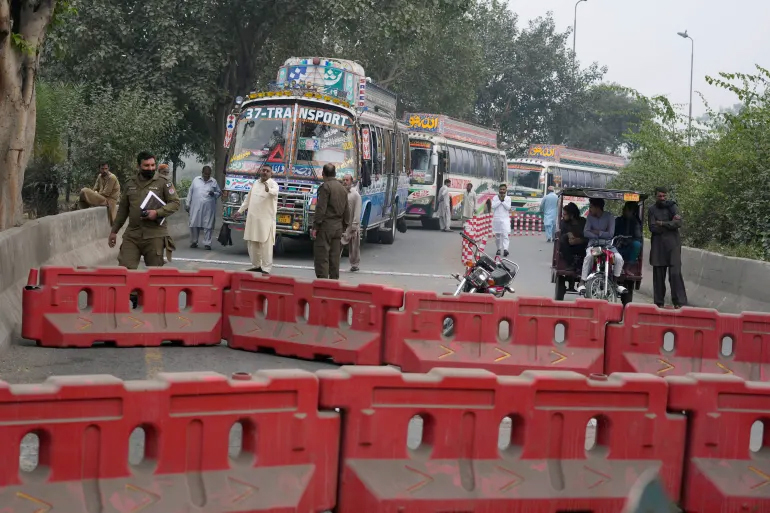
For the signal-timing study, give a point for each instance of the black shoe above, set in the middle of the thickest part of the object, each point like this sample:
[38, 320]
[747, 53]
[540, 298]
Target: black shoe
[498, 253]
[505, 254]
[208, 248]
[255, 270]
[194, 245]
[265, 273]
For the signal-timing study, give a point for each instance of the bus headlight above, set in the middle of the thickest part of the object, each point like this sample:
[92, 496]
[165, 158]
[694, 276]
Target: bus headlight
[234, 197]
[426, 200]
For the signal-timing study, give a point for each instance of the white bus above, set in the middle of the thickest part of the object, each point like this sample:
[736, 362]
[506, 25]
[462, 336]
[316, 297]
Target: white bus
[561, 167]
[444, 148]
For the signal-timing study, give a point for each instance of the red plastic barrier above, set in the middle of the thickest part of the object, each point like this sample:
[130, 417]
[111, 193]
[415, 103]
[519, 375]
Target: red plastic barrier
[459, 466]
[323, 318]
[723, 474]
[288, 451]
[699, 340]
[415, 340]
[79, 307]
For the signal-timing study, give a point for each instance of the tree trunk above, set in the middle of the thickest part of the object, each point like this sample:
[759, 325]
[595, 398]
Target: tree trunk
[27, 23]
[219, 127]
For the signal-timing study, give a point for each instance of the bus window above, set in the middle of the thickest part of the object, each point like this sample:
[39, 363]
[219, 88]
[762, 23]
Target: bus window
[454, 161]
[465, 158]
[388, 144]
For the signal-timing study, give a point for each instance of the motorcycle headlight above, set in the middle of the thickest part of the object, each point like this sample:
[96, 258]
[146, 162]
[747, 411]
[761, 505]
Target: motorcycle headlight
[234, 197]
[596, 251]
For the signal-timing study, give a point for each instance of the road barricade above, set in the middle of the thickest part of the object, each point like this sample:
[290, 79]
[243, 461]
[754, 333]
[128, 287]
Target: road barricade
[543, 334]
[79, 307]
[454, 459]
[319, 319]
[677, 342]
[91, 457]
[728, 469]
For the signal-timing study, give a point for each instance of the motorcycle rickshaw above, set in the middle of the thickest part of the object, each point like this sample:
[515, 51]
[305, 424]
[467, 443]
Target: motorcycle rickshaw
[566, 275]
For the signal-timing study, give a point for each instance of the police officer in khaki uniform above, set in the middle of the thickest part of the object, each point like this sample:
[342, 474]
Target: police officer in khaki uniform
[332, 216]
[145, 236]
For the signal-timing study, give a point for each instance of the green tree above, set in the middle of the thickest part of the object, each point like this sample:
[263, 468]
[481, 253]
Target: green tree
[23, 26]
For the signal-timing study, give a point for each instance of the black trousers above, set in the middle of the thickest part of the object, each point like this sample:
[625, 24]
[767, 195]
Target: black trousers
[678, 292]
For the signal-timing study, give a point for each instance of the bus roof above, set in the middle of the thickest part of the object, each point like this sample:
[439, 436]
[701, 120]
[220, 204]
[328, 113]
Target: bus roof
[439, 124]
[565, 155]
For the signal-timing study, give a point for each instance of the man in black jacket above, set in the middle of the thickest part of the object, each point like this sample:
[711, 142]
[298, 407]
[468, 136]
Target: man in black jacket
[666, 249]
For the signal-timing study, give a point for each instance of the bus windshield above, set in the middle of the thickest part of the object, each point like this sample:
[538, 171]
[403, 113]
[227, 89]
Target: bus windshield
[261, 132]
[422, 171]
[325, 136]
[525, 180]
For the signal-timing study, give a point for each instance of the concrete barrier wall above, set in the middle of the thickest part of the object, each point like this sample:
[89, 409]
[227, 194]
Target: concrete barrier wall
[69, 239]
[729, 284]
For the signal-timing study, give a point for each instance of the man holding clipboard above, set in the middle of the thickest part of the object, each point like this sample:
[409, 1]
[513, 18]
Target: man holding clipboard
[146, 201]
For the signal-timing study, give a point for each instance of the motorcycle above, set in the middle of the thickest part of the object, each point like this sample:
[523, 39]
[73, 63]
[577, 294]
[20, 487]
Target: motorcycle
[601, 282]
[483, 275]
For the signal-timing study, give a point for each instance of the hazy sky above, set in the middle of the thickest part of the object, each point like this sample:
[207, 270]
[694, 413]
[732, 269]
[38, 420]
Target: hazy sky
[637, 41]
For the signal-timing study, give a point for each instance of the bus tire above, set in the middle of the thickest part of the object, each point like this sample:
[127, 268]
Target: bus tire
[389, 236]
[401, 224]
[430, 223]
[373, 235]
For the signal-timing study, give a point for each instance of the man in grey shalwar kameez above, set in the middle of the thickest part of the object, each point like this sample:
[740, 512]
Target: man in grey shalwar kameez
[201, 203]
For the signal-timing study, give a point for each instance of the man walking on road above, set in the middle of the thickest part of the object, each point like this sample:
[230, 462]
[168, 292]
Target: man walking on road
[666, 249]
[469, 203]
[445, 207]
[352, 236]
[147, 233]
[332, 215]
[549, 207]
[259, 233]
[201, 204]
[501, 219]
[106, 192]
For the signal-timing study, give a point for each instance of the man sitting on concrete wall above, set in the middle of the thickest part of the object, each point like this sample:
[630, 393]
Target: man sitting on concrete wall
[106, 192]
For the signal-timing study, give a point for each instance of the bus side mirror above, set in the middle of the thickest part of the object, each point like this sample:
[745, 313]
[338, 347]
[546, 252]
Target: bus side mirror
[434, 159]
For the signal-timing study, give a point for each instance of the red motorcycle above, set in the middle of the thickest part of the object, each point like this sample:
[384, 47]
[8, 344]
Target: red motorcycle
[601, 282]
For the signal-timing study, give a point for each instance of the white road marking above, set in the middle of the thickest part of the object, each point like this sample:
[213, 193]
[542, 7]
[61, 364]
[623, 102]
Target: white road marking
[309, 268]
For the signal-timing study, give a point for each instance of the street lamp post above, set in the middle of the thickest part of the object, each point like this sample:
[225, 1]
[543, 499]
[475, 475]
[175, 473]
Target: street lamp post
[574, 32]
[692, 68]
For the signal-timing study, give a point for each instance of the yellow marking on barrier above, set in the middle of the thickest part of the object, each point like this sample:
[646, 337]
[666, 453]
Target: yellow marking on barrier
[44, 506]
[506, 354]
[724, 368]
[517, 479]
[250, 490]
[137, 323]
[152, 498]
[184, 319]
[153, 361]
[668, 366]
[255, 329]
[297, 332]
[449, 352]
[422, 484]
[87, 323]
[340, 338]
[562, 357]
[762, 475]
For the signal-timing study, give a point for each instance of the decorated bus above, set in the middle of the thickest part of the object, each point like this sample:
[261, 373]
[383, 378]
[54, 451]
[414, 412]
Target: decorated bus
[320, 111]
[445, 148]
[560, 167]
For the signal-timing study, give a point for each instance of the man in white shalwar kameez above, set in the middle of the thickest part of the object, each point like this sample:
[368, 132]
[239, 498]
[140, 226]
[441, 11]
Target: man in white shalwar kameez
[501, 219]
[201, 204]
[445, 207]
[259, 234]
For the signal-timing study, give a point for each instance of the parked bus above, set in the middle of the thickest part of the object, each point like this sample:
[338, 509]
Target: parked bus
[445, 148]
[560, 166]
[320, 111]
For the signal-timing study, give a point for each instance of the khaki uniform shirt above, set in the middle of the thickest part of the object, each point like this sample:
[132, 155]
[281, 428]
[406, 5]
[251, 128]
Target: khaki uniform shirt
[130, 209]
[332, 212]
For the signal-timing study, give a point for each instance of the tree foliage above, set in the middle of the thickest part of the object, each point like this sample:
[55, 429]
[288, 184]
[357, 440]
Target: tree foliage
[721, 181]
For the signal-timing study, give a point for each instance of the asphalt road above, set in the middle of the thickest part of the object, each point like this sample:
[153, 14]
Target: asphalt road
[418, 260]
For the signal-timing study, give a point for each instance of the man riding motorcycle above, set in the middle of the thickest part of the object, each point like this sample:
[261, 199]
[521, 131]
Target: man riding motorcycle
[600, 226]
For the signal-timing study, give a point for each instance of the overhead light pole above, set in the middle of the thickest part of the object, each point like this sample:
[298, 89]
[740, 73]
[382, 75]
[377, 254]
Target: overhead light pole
[574, 33]
[692, 68]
